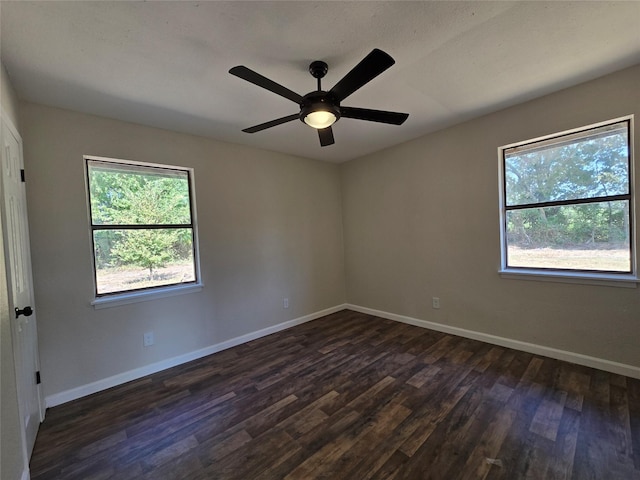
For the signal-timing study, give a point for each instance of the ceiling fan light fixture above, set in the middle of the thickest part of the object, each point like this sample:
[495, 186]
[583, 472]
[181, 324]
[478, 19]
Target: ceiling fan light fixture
[319, 112]
[320, 119]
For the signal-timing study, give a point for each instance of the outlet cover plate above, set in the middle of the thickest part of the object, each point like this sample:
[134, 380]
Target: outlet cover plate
[147, 339]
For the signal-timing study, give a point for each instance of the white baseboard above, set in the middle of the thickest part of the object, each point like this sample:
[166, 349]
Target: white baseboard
[578, 358]
[119, 379]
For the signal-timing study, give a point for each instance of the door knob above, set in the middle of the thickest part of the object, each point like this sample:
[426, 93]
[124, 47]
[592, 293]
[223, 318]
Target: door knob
[26, 311]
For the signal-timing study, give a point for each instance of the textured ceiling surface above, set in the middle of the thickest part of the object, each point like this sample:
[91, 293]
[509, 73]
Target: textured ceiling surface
[165, 64]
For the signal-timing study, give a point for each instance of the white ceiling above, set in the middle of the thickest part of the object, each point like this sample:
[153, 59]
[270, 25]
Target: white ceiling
[165, 64]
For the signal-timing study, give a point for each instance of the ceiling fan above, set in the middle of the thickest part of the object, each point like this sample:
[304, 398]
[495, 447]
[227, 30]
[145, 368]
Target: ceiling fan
[320, 109]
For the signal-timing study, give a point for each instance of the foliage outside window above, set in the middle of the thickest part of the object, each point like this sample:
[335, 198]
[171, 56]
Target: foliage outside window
[567, 201]
[142, 221]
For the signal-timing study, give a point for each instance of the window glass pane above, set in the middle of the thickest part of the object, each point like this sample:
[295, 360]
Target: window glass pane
[142, 258]
[591, 236]
[590, 164]
[135, 195]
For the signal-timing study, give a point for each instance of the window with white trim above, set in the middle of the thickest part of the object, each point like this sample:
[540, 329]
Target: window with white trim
[567, 202]
[142, 219]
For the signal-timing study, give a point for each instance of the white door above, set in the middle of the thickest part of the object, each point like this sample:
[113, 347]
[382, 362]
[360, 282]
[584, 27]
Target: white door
[18, 260]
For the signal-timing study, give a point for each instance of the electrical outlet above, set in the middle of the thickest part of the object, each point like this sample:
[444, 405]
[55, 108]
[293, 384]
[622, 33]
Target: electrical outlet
[436, 302]
[147, 339]
[285, 302]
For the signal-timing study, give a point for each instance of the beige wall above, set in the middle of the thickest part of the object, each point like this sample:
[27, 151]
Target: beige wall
[270, 226]
[11, 453]
[9, 98]
[421, 220]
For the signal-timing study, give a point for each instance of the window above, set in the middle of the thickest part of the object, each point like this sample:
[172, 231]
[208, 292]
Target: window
[567, 202]
[142, 220]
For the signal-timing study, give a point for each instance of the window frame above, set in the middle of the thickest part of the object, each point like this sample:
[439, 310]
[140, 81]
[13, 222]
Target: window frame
[102, 300]
[595, 277]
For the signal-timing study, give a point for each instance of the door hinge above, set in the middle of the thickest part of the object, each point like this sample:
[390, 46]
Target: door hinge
[22, 175]
[38, 379]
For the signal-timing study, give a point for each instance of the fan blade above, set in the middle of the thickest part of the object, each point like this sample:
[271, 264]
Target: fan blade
[326, 136]
[261, 81]
[369, 68]
[272, 123]
[381, 116]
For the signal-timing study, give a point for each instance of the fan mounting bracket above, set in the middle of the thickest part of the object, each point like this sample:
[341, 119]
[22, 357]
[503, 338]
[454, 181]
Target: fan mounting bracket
[318, 69]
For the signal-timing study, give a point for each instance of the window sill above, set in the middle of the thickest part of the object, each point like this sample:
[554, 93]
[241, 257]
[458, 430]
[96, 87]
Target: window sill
[600, 279]
[135, 297]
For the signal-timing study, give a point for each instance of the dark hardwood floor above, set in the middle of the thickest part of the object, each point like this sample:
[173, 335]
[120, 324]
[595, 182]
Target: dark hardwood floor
[351, 396]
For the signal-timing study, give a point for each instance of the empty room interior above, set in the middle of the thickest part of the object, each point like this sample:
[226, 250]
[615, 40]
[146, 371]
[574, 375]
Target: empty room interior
[439, 283]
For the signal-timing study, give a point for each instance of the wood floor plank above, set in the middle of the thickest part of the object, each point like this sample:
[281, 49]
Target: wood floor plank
[420, 435]
[169, 453]
[254, 457]
[485, 453]
[561, 461]
[221, 447]
[334, 457]
[352, 396]
[546, 420]
[308, 417]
